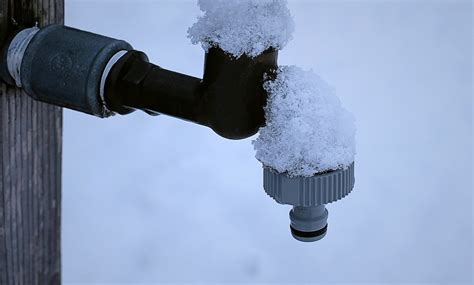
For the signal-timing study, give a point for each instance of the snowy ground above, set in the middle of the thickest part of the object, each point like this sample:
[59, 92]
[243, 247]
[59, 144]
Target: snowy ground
[161, 200]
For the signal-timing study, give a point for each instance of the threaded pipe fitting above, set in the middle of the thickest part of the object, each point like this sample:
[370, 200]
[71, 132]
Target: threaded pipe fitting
[308, 195]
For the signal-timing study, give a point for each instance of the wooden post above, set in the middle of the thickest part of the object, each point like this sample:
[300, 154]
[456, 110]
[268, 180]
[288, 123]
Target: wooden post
[30, 169]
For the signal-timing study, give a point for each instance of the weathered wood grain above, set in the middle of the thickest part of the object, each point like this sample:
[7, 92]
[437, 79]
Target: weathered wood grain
[30, 169]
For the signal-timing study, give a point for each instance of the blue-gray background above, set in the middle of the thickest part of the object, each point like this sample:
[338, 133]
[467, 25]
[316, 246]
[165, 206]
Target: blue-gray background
[161, 200]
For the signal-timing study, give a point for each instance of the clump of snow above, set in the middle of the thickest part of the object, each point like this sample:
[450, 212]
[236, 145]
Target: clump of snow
[243, 26]
[307, 130]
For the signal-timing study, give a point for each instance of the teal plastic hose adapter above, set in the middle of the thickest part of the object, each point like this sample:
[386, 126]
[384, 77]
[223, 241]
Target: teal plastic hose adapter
[308, 196]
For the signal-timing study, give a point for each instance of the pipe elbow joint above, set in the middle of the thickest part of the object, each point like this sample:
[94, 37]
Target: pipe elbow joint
[230, 98]
[233, 95]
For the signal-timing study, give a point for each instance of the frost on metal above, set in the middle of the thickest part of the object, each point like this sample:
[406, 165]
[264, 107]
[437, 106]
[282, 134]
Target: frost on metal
[307, 130]
[243, 26]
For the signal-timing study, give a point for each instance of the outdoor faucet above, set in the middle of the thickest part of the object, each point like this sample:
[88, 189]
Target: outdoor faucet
[102, 76]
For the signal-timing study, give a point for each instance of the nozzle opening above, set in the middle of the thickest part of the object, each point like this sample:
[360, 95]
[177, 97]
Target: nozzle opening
[308, 223]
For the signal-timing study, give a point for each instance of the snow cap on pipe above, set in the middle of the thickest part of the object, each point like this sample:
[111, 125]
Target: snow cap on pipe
[307, 130]
[243, 26]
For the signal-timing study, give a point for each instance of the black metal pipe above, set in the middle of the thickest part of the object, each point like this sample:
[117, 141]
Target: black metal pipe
[229, 99]
[134, 83]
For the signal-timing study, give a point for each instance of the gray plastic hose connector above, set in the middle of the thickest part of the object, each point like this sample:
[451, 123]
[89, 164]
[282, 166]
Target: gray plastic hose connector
[308, 195]
[64, 66]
